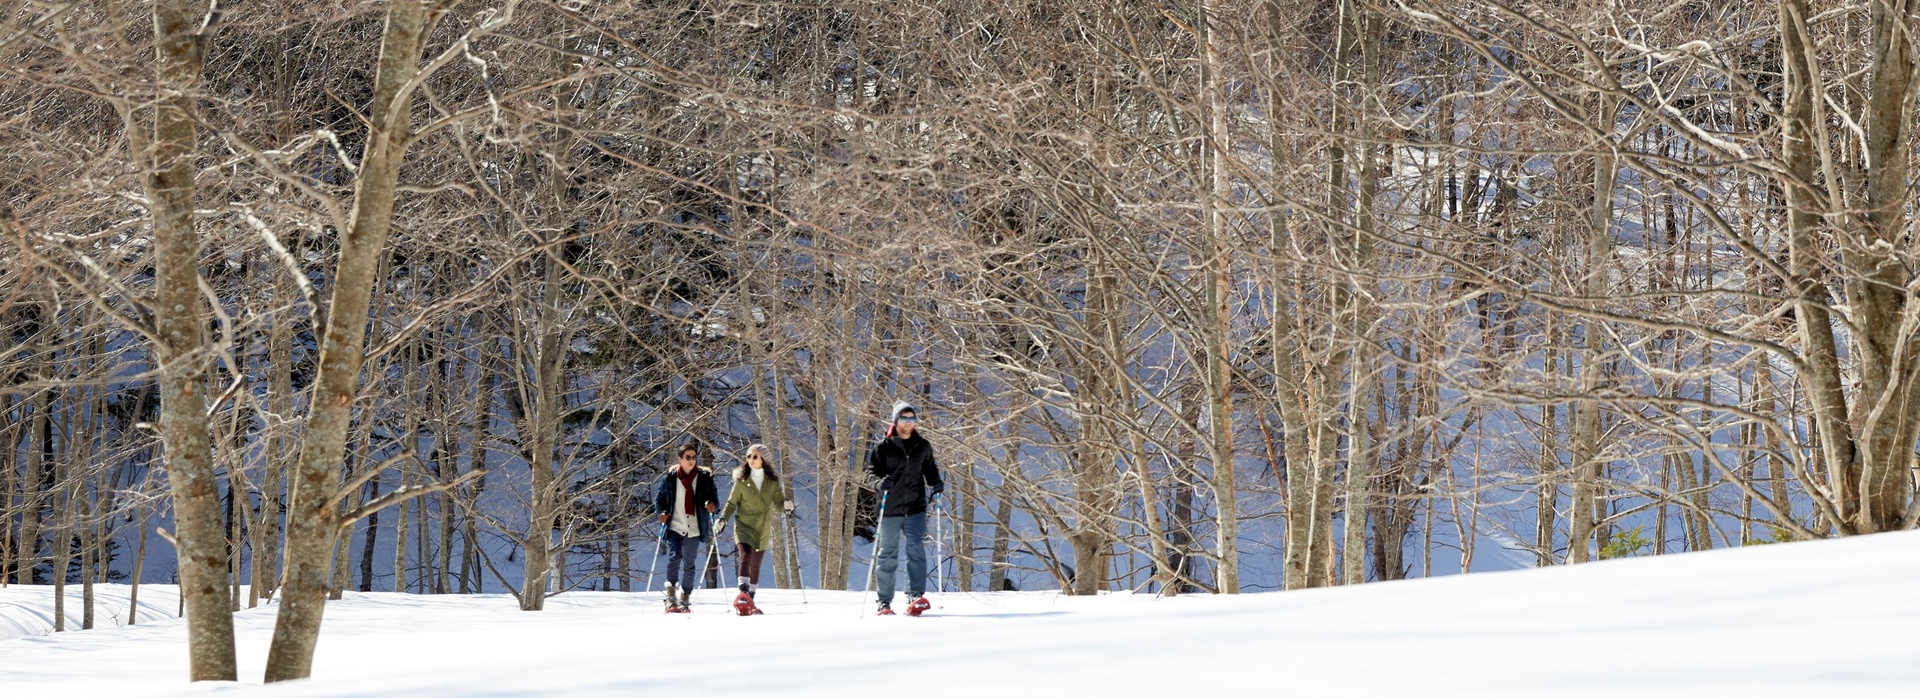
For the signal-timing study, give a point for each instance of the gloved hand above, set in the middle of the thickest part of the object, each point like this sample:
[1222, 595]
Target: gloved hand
[788, 505]
[665, 517]
[879, 484]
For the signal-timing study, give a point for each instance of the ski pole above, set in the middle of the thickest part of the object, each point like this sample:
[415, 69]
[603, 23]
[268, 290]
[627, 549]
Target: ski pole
[713, 549]
[939, 554]
[659, 542]
[873, 561]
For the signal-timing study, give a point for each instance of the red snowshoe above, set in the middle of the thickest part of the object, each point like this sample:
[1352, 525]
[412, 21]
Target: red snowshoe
[918, 605]
[681, 604]
[885, 610]
[743, 605]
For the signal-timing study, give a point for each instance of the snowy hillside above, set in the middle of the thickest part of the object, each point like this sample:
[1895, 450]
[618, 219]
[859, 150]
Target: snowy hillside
[1808, 619]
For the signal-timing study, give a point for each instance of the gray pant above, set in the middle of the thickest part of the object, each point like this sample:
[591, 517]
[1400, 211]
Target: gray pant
[683, 560]
[898, 532]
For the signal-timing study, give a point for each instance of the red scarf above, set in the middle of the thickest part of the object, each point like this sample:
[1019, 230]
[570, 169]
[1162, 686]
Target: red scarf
[686, 485]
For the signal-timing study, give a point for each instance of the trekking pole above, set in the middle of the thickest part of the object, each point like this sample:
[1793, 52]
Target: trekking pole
[659, 542]
[873, 561]
[713, 549]
[939, 548]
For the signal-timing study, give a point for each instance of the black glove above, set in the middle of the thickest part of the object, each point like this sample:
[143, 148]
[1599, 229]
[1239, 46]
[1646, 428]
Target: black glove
[879, 484]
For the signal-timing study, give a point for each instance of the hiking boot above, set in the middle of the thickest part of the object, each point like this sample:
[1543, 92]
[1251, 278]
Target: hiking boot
[886, 609]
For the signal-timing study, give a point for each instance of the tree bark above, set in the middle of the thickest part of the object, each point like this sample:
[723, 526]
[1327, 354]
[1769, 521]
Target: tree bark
[1219, 330]
[1589, 489]
[312, 519]
[1877, 285]
[198, 535]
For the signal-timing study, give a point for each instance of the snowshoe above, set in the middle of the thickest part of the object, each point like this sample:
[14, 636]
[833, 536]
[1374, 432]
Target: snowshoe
[918, 605]
[885, 609]
[743, 605]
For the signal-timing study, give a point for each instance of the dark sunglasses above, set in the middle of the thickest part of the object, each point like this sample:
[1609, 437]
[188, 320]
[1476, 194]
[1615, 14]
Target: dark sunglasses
[909, 420]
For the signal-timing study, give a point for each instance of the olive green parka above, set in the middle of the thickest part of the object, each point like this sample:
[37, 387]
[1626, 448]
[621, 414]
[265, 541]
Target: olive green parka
[753, 509]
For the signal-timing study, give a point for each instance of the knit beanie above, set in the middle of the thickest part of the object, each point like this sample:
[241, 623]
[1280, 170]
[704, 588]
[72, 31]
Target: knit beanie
[899, 407]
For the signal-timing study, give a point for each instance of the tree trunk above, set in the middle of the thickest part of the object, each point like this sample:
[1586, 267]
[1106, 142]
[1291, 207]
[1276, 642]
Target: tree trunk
[1360, 385]
[139, 568]
[997, 557]
[313, 522]
[400, 531]
[444, 469]
[1884, 343]
[32, 491]
[266, 524]
[1219, 331]
[62, 551]
[1092, 461]
[373, 535]
[1547, 497]
[1589, 489]
[200, 542]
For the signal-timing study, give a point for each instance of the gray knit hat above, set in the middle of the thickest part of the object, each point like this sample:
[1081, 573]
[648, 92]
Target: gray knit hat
[899, 407]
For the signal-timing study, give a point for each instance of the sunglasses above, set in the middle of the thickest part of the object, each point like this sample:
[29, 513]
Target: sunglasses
[909, 420]
[687, 457]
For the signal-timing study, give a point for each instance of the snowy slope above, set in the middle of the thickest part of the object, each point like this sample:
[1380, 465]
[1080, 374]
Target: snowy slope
[1807, 619]
[28, 610]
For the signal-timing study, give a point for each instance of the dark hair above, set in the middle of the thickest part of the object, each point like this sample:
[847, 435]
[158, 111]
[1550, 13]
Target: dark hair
[766, 464]
[684, 448]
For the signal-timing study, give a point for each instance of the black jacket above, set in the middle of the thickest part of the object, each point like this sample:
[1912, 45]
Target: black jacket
[906, 467]
[704, 493]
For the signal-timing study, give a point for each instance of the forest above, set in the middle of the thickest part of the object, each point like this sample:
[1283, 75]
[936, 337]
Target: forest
[299, 297]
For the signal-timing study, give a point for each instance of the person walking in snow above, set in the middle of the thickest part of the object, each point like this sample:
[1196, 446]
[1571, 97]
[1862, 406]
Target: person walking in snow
[685, 499]
[901, 467]
[756, 498]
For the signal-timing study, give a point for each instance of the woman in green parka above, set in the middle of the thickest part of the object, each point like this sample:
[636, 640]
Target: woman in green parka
[756, 498]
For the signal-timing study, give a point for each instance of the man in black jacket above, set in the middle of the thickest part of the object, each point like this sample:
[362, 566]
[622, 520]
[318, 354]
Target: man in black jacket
[902, 468]
[685, 499]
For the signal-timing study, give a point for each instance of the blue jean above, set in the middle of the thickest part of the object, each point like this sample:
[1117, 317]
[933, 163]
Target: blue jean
[683, 560]
[890, 543]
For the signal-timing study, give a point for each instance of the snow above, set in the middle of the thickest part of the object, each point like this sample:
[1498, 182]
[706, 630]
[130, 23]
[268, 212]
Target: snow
[1819, 618]
[28, 610]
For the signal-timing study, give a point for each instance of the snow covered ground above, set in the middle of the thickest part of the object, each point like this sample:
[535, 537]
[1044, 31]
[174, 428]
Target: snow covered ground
[1807, 619]
[28, 610]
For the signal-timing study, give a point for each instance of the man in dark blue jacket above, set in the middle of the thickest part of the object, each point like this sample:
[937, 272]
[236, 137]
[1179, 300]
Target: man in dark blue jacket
[902, 468]
[685, 499]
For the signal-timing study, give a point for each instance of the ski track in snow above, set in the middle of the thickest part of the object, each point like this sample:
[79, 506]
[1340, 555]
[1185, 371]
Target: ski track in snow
[1805, 619]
